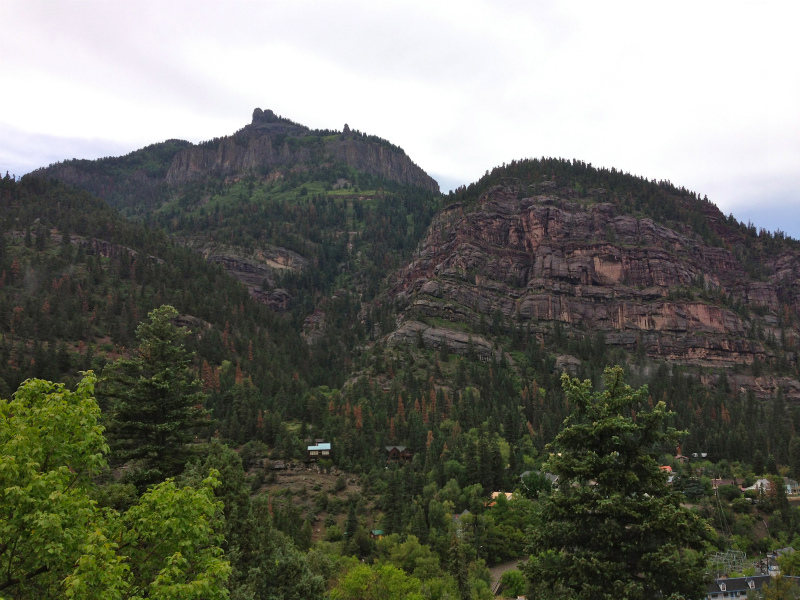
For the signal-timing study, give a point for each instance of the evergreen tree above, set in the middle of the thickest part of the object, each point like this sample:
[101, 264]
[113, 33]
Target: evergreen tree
[614, 529]
[155, 402]
[457, 563]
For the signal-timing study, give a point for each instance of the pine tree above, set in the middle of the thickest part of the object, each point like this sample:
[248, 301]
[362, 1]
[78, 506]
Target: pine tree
[155, 401]
[614, 529]
[457, 565]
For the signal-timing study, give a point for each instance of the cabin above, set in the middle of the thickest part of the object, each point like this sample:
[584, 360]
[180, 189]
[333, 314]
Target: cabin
[376, 534]
[398, 454]
[319, 450]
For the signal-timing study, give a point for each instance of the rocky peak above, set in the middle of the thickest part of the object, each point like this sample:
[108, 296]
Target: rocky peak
[261, 117]
[267, 142]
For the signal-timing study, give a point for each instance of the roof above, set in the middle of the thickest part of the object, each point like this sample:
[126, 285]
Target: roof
[495, 495]
[715, 483]
[325, 446]
[376, 531]
[742, 584]
[759, 484]
[399, 448]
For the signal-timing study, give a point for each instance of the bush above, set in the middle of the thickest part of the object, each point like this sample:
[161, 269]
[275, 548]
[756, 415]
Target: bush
[334, 533]
[514, 583]
[729, 492]
[741, 505]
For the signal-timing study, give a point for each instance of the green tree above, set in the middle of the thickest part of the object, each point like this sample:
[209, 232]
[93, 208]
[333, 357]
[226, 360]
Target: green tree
[155, 401]
[265, 564]
[614, 529]
[54, 539]
[780, 588]
[790, 563]
[384, 582]
[514, 583]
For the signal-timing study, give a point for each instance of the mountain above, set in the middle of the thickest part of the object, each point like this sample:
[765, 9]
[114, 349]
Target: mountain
[562, 249]
[539, 267]
[280, 206]
[145, 178]
[333, 293]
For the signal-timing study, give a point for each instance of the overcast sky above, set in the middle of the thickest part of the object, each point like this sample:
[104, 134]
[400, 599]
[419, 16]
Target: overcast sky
[705, 94]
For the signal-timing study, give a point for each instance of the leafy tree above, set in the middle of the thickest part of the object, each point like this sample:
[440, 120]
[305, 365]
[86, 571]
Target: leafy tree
[790, 563]
[513, 583]
[56, 542]
[781, 588]
[384, 582]
[155, 400]
[535, 483]
[614, 529]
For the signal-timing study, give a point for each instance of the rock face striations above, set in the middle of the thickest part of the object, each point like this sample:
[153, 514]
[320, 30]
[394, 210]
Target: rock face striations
[557, 260]
[270, 142]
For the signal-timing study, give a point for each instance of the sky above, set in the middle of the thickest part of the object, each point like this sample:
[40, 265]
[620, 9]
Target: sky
[705, 94]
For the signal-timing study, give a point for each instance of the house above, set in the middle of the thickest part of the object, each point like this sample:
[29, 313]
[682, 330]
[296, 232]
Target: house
[680, 457]
[398, 454]
[376, 534]
[761, 485]
[738, 587]
[792, 487]
[319, 450]
[718, 483]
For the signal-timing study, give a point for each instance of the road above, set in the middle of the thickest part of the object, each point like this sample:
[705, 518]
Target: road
[498, 571]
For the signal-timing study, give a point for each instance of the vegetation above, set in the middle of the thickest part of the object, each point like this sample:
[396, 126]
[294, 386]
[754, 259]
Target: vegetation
[154, 402]
[221, 395]
[56, 542]
[614, 529]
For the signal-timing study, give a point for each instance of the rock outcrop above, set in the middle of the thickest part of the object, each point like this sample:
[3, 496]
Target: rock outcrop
[269, 142]
[551, 258]
[255, 269]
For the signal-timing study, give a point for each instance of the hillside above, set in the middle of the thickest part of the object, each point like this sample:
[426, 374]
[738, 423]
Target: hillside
[658, 272]
[76, 279]
[330, 301]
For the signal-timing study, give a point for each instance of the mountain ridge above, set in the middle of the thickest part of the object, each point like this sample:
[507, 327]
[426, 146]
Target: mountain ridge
[147, 176]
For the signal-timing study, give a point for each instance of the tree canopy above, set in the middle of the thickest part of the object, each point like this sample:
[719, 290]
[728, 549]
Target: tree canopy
[54, 539]
[613, 528]
[155, 400]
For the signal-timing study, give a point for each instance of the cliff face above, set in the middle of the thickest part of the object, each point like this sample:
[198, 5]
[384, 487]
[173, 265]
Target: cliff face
[264, 145]
[554, 258]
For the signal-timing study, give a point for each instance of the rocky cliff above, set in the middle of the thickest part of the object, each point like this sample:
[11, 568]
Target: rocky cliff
[268, 143]
[552, 257]
[149, 176]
